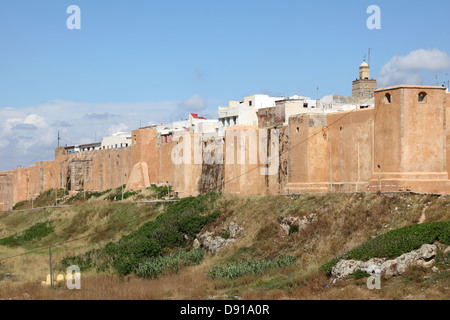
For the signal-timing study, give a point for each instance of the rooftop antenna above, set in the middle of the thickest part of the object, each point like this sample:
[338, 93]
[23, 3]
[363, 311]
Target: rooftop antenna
[58, 138]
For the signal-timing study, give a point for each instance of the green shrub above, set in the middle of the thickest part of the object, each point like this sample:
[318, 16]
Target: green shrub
[186, 217]
[129, 252]
[359, 274]
[397, 242]
[153, 267]
[86, 195]
[19, 204]
[161, 191]
[293, 229]
[328, 267]
[37, 231]
[117, 194]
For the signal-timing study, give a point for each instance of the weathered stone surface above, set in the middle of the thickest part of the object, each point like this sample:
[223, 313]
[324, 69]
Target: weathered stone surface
[215, 243]
[196, 244]
[424, 256]
[234, 229]
[302, 223]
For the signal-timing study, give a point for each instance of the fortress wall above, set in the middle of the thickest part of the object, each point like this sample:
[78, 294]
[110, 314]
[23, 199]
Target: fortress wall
[447, 121]
[410, 140]
[264, 171]
[423, 145]
[418, 131]
[298, 154]
[318, 154]
[22, 184]
[388, 128]
[274, 183]
[6, 190]
[351, 137]
[241, 160]
[344, 140]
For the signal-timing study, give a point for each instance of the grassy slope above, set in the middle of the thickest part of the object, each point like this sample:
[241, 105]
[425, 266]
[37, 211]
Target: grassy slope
[344, 222]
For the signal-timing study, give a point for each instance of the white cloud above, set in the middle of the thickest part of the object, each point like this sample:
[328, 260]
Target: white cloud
[121, 127]
[194, 103]
[410, 69]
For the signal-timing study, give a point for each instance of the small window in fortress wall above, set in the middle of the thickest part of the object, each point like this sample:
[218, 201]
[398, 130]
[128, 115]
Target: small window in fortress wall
[422, 97]
[387, 98]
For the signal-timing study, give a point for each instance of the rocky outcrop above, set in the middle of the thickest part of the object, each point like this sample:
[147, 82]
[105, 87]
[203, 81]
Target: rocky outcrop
[215, 243]
[288, 222]
[424, 256]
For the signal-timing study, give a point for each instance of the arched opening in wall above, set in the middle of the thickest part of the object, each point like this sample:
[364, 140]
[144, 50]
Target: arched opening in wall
[422, 97]
[387, 98]
[298, 129]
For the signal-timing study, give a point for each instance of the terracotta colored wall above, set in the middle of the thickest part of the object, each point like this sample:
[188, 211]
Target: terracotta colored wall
[6, 190]
[410, 140]
[447, 118]
[424, 133]
[388, 131]
[344, 139]
[100, 170]
[351, 148]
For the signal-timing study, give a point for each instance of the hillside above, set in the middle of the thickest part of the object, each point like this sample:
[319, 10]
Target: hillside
[218, 246]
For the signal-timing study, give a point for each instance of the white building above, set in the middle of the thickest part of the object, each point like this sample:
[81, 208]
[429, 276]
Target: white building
[117, 140]
[296, 105]
[196, 124]
[335, 103]
[244, 112]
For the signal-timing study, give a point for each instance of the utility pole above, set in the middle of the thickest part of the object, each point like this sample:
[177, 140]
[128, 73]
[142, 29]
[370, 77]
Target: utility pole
[51, 265]
[32, 200]
[331, 162]
[379, 177]
[84, 180]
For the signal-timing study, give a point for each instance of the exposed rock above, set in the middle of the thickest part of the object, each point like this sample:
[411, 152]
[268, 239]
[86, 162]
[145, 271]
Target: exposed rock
[234, 229]
[424, 256]
[302, 223]
[215, 243]
[196, 244]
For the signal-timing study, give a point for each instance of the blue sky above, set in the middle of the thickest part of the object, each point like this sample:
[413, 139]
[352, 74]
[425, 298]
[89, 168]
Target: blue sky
[138, 61]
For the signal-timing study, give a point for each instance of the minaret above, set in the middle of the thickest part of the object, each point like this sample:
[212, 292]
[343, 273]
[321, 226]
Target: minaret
[364, 71]
[364, 87]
